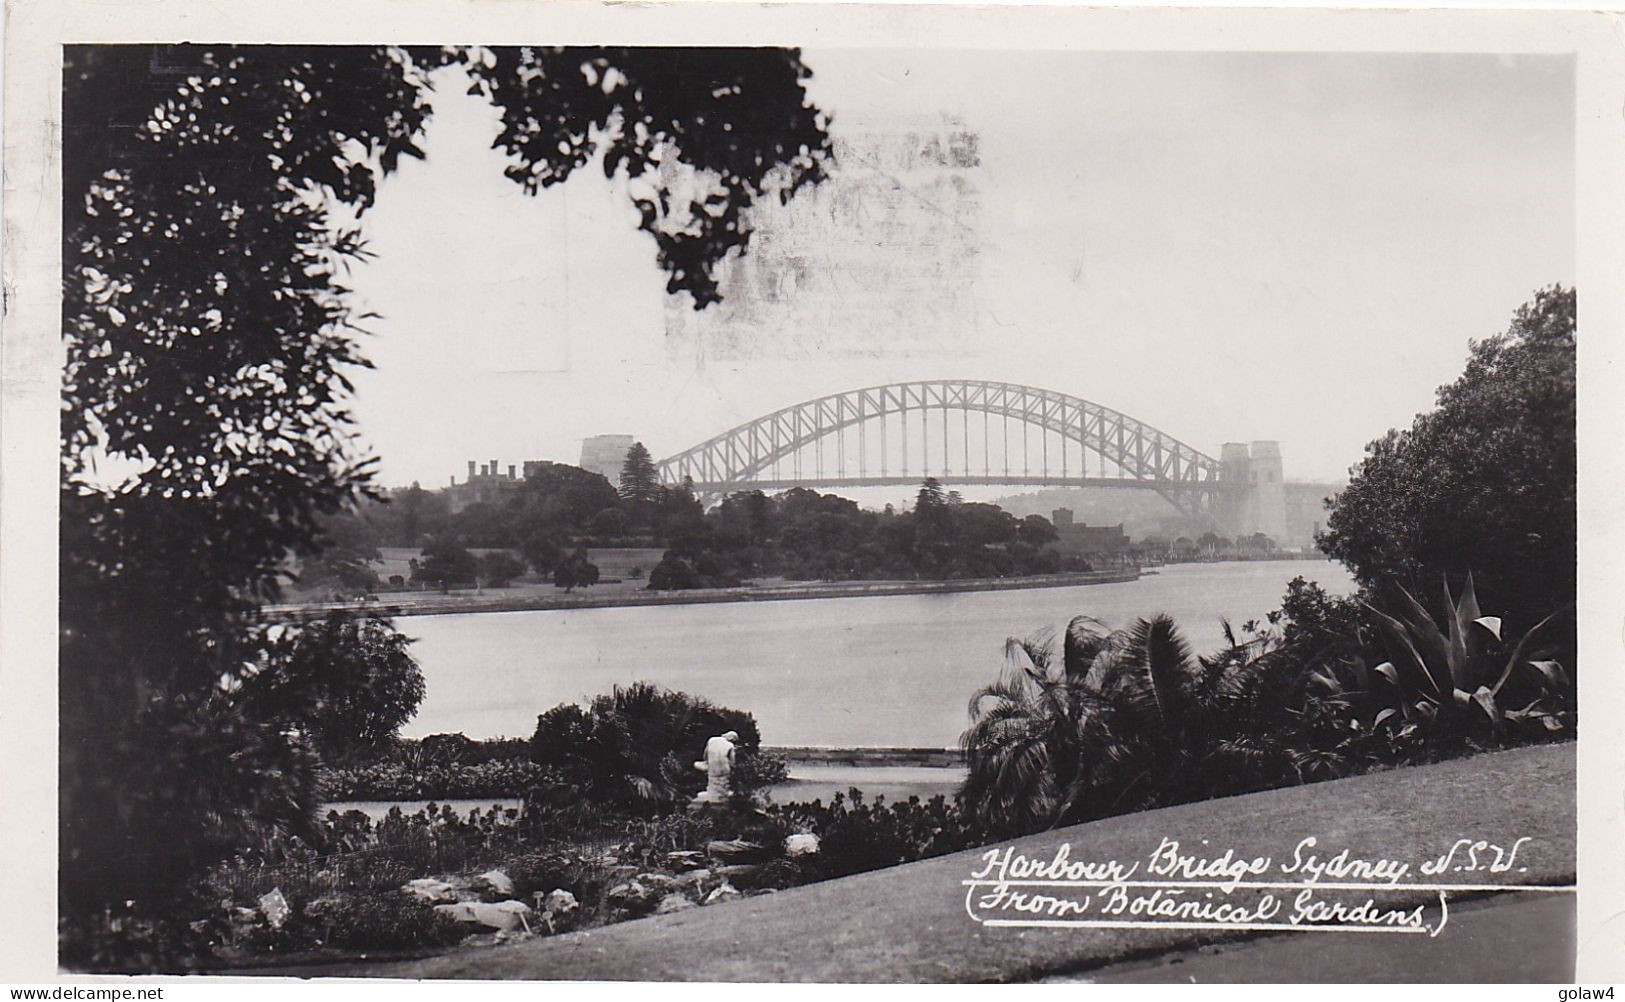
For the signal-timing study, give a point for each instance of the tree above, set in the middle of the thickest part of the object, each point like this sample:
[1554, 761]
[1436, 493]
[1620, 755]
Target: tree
[499, 567]
[542, 546]
[404, 518]
[350, 681]
[933, 527]
[611, 523]
[979, 524]
[446, 562]
[1036, 530]
[634, 747]
[344, 564]
[345, 571]
[575, 571]
[207, 337]
[679, 513]
[640, 481]
[1125, 721]
[673, 573]
[566, 496]
[1484, 483]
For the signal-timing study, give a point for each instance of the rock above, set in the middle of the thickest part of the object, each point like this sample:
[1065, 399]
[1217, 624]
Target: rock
[742, 874]
[735, 850]
[555, 909]
[726, 892]
[694, 878]
[673, 903]
[804, 844]
[429, 890]
[685, 859]
[496, 882]
[275, 907]
[503, 915]
[634, 897]
[659, 881]
[560, 902]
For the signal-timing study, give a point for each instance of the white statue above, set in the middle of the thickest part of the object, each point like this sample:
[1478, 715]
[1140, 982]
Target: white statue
[718, 767]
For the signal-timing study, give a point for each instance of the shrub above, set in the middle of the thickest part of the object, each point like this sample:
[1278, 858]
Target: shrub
[351, 679]
[673, 573]
[1122, 722]
[499, 568]
[635, 747]
[502, 779]
[754, 770]
[380, 920]
[855, 837]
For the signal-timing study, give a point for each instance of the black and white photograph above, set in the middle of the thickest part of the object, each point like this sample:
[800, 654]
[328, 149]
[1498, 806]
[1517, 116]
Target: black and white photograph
[900, 503]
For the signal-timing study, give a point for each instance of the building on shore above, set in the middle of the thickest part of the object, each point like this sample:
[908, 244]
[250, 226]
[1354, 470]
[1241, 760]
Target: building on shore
[1092, 542]
[486, 484]
[490, 483]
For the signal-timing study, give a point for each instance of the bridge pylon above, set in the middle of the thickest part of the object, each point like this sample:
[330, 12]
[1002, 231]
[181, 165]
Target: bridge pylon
[1257, 500]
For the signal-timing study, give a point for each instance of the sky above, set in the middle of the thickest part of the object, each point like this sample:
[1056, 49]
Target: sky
[1229, 247]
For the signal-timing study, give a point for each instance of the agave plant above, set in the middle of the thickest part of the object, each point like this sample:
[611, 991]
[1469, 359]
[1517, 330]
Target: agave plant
[1456, 683]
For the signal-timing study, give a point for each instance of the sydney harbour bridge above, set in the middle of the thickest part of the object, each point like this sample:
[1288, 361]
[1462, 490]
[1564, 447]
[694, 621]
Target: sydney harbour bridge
[976, 432]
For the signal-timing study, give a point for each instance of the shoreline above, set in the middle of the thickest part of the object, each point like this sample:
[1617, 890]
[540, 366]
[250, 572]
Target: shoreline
[306, 611]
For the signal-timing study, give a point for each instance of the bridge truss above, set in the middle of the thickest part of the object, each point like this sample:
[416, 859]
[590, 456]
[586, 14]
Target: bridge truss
[962, 432]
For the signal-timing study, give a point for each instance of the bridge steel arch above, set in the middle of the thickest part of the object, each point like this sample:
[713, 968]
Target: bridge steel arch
[744, 457]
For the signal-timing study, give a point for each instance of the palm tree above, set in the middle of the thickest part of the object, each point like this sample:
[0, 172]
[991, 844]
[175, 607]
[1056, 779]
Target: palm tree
[1028, 737]
[1126, 721]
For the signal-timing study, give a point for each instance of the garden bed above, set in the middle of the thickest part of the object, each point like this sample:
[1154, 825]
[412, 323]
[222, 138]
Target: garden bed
[908, 923]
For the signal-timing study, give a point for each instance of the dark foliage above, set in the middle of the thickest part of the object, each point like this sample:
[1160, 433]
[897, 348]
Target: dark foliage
[350, 680]
[635, 747]
[640, 481]
[811, 536]
[394, 779]
[1129, 721]
[207, 336]
[206, 333]
[446, 562]
[379, 920]
[1124, 722]
[856, 837]
[1484, 483]
[499, 568]
[575, 571]
[740, 115]
[439, 767]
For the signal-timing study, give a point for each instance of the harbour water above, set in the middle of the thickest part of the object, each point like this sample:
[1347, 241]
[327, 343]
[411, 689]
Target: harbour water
[892, 670]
